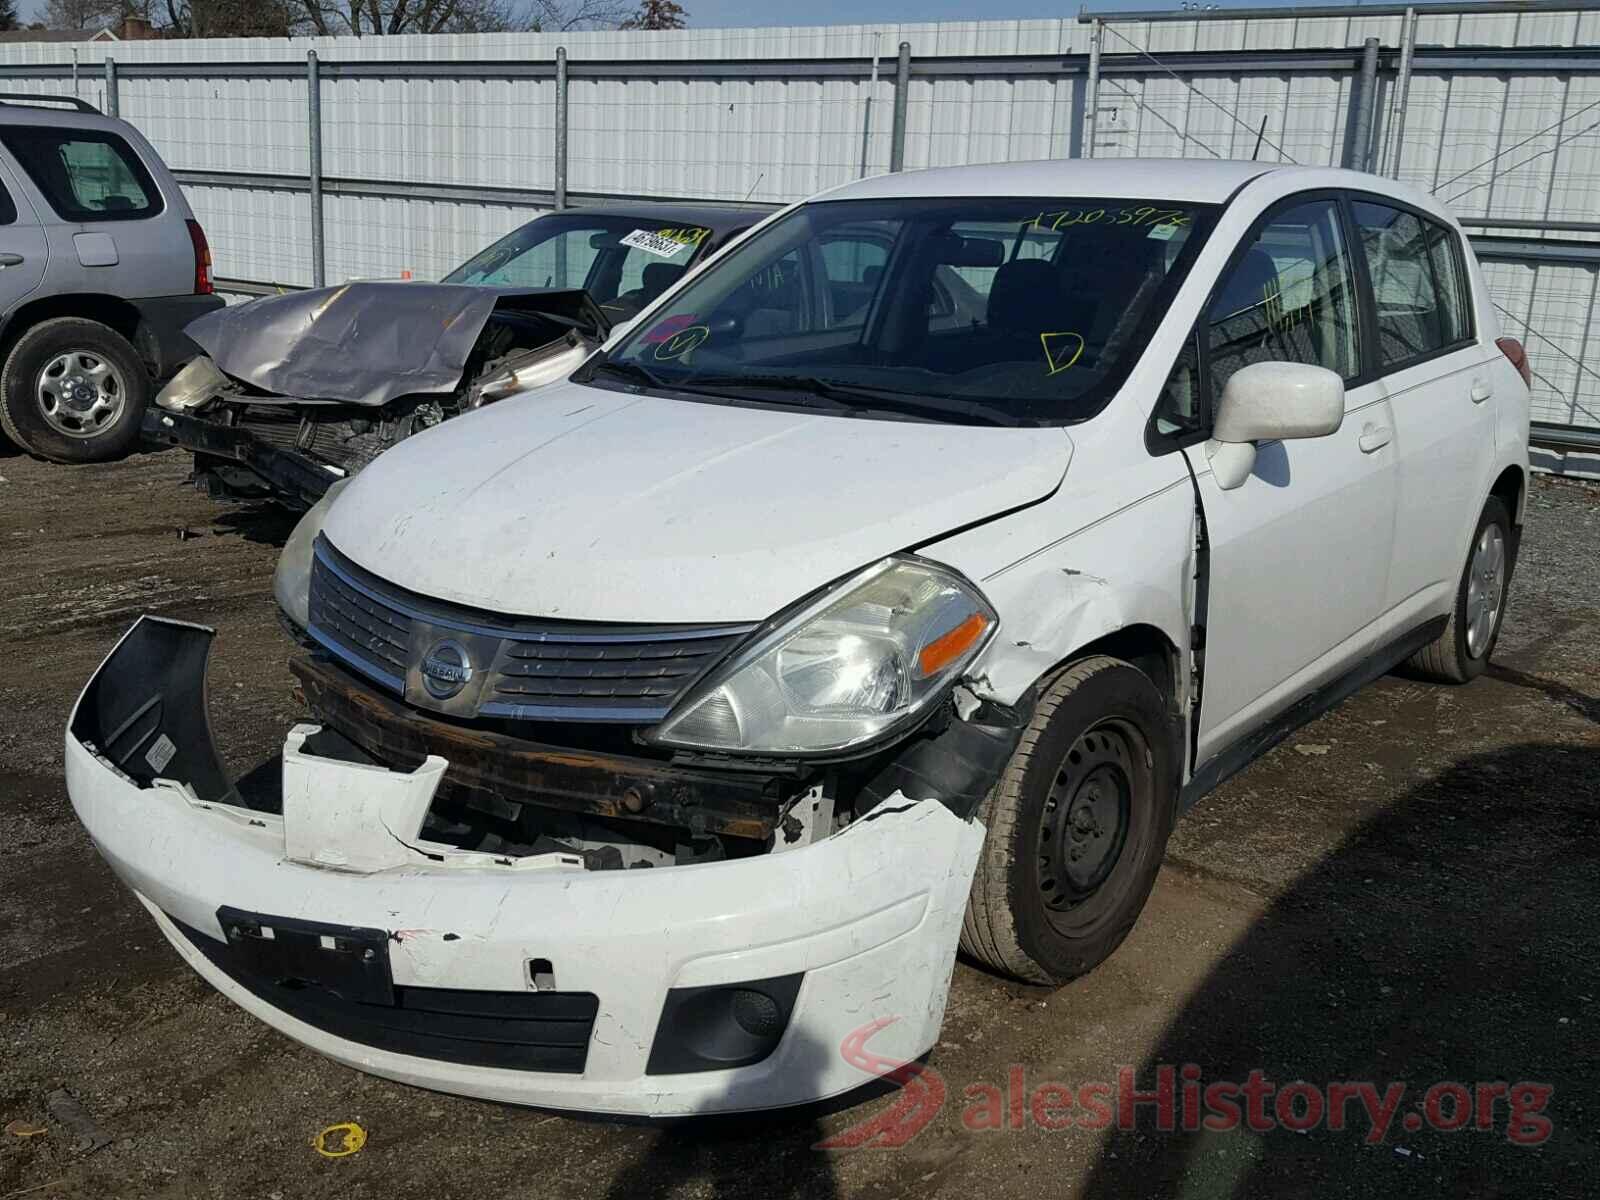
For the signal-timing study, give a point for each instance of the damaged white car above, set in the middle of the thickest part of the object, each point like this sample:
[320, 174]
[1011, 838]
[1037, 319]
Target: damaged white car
[893, 583]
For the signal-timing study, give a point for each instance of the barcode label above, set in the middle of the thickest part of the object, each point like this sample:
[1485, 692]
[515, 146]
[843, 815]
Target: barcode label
[654, 243]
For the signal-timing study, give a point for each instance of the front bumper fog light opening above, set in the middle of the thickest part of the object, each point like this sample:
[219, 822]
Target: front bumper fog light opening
[722, 1026]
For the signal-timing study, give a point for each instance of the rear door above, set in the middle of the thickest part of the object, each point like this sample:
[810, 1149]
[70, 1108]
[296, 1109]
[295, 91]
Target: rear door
[1440, 385]
[113, 229]
[22, 244]
[1299, 553]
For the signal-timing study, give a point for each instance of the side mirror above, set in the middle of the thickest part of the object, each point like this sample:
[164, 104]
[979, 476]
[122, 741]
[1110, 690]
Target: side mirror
[1270, 401]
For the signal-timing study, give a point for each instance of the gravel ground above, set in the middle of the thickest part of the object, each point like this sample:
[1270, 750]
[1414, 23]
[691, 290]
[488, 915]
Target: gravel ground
[1402, 892]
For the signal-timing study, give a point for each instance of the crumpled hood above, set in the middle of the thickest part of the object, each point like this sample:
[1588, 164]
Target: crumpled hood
[366, 343]
[588, 504]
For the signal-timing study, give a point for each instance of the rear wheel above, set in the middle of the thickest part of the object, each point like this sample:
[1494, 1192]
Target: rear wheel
[1077, 826]
[73, 390]
[1461, 652]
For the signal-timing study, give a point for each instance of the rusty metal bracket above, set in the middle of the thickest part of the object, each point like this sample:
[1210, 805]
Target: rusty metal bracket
[523, 772]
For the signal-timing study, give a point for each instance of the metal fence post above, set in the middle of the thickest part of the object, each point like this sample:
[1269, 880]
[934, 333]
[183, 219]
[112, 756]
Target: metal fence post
[1091, 91]
[1395, 138]
[902, 83]
[561, 129]
[112, 107]
[314, 127]
[1366, 107]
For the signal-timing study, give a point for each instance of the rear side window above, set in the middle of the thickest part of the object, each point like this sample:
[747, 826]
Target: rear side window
[86, 175]
[8, 206]
[1418, 286]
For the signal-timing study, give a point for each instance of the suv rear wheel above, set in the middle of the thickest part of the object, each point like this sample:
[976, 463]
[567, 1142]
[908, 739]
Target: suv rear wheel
[73, 390]
[1078, 824]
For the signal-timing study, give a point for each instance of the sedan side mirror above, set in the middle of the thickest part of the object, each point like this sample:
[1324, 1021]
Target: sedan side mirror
[1270, 401]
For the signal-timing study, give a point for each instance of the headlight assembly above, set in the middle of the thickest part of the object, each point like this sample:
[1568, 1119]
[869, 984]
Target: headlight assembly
[291, 578]
[869, 655]
[193, 387]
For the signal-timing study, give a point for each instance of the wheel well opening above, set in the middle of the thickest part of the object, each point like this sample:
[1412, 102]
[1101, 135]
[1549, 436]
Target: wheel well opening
[1148, 649]
[108, 310]
[1509, 490]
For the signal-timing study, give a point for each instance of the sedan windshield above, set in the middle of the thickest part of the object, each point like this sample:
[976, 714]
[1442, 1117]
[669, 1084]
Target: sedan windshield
[623, 262]
[991, 310]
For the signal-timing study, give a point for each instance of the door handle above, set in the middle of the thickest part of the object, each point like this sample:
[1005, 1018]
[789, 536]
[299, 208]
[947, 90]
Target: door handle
[1374, 438]
[10, 260]
[1482, 390]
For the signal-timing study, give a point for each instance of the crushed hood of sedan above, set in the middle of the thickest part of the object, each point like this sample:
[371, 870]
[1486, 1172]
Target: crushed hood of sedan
[368, 343]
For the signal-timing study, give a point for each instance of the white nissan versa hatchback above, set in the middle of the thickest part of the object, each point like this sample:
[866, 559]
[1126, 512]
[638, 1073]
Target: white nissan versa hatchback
[891, 583]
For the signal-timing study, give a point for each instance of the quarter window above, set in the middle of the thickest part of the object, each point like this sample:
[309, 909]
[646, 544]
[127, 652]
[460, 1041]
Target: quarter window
[86, 176]
[1289, 298]
[1416, 282]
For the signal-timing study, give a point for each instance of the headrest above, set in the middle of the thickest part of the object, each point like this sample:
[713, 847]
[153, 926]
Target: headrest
[658, 277]
[1025, 296]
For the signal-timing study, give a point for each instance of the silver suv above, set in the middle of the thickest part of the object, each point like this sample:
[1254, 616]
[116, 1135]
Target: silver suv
[102, 264]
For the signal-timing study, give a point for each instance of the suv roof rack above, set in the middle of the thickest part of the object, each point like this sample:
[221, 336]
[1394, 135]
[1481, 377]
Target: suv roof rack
[14, 97]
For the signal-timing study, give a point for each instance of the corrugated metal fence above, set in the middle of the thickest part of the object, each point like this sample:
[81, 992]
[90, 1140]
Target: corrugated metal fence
[431, 147]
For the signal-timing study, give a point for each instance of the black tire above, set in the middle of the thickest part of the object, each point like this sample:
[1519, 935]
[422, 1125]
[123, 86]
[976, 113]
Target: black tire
[1452, 657]
[1100, 724]
[23, 415]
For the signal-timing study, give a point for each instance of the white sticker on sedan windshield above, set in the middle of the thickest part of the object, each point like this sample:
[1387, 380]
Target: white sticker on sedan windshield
[654, 243]
[1162, 233]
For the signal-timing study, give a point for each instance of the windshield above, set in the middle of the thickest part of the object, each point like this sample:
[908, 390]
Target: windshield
[623, 262]
[996, 309]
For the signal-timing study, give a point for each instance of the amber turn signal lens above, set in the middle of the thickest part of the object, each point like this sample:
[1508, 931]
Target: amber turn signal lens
[947, 647]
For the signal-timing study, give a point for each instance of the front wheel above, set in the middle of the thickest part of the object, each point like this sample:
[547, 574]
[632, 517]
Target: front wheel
[73, 391]
[1461, 653]
[1077, 826]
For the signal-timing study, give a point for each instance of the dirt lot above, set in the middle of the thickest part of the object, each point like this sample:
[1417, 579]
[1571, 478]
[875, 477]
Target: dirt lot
[1405, 891]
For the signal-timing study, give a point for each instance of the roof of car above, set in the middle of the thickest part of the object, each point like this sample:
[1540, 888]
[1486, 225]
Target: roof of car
[1199, 181]
[17, 111]
[719, 218]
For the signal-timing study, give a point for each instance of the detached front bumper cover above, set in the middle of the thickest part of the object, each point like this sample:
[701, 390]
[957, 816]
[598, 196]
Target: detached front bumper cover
[526, 980]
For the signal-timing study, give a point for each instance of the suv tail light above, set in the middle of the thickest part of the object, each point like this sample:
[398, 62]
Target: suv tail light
[1512, 349]
[202, 259]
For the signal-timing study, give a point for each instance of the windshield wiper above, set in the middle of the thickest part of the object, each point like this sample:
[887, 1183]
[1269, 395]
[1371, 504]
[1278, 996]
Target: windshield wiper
[850, 396]
[624, 370]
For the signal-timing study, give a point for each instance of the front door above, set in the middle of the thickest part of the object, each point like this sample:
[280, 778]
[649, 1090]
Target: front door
[1299, 553]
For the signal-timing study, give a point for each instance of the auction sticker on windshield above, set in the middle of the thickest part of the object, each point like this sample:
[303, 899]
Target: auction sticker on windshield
[655, 243]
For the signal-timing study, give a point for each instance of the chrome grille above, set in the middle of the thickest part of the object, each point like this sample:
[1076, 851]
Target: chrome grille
[529, 668]
[621, 672]
[376, 636]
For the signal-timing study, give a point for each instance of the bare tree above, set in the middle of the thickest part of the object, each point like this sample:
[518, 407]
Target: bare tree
[82, 14]
[657, 14]
[559, 16]
[219, 18]
[366, 18]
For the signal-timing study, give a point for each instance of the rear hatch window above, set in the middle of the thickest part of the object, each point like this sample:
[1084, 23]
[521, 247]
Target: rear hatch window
[86, 175]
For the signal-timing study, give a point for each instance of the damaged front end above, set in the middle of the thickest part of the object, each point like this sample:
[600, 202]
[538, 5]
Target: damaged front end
[532, 911]
[295, 392]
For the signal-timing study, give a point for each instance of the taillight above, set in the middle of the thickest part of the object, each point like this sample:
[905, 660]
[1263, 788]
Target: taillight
[1512, 349]
[202, 259]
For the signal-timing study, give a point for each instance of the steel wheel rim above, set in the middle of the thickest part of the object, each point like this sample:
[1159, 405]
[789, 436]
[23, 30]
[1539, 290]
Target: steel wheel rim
[1486, 584]
[1087, 816]
[80, 393]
